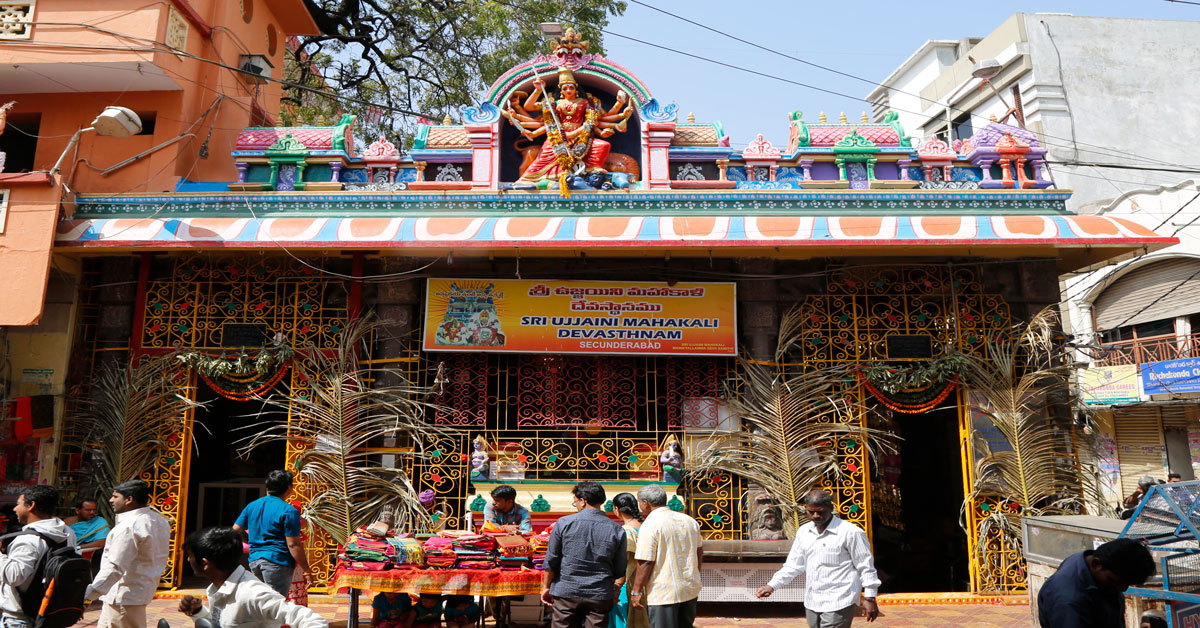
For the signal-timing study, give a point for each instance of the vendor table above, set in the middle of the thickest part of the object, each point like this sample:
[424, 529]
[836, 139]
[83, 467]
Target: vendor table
[414, 580]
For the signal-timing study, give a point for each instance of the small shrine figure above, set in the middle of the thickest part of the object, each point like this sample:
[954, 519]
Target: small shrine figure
[672, 461]
[481, 462]
[573, 125]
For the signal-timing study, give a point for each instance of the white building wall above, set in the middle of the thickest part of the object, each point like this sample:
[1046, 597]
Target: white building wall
[1121, 97]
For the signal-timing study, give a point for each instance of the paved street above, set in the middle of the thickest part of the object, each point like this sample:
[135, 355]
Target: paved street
[896, 614]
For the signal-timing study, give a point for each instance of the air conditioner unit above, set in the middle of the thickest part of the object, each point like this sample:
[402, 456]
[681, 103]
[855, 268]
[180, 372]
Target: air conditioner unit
[255, 68]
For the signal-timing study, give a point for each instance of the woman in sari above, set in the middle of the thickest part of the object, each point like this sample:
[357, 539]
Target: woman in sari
[623, 614]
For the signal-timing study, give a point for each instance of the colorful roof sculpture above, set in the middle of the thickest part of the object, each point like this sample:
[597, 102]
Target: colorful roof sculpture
[804, 135]
[338, 137]
[503, 180]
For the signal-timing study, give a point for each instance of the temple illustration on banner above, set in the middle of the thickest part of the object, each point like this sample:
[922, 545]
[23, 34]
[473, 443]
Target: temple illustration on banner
[471, 318]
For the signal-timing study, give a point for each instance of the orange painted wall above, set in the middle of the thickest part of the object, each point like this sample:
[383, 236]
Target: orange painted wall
[206, 100]
[28, 235]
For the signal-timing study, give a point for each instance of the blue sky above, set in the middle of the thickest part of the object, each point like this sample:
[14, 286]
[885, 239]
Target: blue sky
[865, 38]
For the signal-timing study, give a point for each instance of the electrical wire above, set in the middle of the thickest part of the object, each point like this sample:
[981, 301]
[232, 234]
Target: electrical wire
[1074, 144]
[392, 109]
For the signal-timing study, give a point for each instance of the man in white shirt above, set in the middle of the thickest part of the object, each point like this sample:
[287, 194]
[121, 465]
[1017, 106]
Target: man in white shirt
[135, 557]
[35, 510]
[836, 557]
[236, 597]
[669, 555]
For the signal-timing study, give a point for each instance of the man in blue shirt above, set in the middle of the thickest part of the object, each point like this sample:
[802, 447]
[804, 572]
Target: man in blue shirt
[505, 512]
[585, 563]
[91, 531]
[1088, 589]
[273, 528]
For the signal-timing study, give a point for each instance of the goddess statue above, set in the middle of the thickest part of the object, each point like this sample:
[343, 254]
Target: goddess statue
[480, 460]
[573, 126]
[672, 461]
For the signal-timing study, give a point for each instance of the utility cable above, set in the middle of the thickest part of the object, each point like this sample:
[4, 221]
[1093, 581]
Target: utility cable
[1074, 144]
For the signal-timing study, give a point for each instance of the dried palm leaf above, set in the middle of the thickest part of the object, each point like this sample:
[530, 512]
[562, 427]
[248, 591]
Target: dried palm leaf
[129, 413]
[1015, 383]
[346, 407]
[791, 423]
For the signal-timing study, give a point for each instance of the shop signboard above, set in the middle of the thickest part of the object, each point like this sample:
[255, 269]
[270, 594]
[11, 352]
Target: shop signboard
[1171, 376]
[594, 317]
[1109, 384]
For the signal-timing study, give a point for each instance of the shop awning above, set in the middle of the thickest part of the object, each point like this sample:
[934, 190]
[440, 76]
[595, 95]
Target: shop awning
[1078, 241]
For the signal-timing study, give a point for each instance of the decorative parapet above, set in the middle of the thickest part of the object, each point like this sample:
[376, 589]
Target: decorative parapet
[381, 157]
[1010, 148]
[855, 149]
[936, 154]
[16, 18]
[762, 160]
[804, 135]
[336, 138]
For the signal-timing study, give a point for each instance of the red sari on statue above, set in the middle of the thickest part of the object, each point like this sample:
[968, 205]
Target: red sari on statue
[571, 115]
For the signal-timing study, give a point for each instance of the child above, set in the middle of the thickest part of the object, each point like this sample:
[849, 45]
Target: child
[236, 597]
[390, 610]
[428, 612]
[461, 611]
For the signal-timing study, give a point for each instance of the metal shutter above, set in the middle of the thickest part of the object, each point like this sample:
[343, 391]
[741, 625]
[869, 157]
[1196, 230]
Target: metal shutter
[1117, 304]
[1140, 448]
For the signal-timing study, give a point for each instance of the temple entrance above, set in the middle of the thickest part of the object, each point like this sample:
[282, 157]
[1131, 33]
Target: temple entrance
[919, 545]
[222, 481]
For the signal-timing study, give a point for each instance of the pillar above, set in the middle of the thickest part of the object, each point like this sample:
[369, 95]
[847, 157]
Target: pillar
[657, 138]
[483, 139]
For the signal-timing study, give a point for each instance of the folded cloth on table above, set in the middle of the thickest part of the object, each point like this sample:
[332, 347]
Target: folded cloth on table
[477, 564]
[363, 565]
[514, 545]
[440, 561]
[409, 551]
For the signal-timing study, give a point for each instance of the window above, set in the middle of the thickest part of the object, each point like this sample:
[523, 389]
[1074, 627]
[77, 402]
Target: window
[19, 141]
[1160, 327]
[148, 118]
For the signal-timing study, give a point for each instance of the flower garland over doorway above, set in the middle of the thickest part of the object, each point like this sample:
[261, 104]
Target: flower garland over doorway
[243, 377]
[914, 389]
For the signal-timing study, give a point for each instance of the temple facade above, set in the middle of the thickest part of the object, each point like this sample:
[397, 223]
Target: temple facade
[574, 271]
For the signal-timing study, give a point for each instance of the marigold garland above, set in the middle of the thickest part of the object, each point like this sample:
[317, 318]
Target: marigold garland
[250, 393]
[909, 408]
[243, 377]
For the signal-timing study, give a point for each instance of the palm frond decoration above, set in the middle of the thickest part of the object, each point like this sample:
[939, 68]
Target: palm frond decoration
[1017, 384]
[128, 414]
[346, 407]
[790, 425]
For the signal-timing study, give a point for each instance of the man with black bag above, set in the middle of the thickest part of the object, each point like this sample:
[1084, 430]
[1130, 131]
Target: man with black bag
[38, 588]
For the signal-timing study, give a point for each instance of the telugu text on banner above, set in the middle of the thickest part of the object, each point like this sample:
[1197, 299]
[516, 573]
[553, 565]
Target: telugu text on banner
[597, 317]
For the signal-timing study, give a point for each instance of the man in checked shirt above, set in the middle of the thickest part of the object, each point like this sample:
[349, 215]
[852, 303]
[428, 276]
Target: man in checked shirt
[836, 558]
[585, 562]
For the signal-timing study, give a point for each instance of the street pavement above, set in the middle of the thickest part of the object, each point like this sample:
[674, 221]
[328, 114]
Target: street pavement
[899, 612]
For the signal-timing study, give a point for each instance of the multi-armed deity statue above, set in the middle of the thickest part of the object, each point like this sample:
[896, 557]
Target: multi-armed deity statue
[573, 126]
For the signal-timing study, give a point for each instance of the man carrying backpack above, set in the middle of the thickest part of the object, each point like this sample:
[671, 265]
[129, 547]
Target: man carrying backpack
[19, 563]
[135, 557]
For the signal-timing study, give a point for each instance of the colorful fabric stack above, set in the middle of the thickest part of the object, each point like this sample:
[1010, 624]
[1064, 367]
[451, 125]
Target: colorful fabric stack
[439, 552]
[369, 553]
[538, 544]
[474, 551]
[514, 546]
[409, 551]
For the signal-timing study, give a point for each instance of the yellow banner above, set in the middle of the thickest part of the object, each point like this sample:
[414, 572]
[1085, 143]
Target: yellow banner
[1109, 384]
[598, 317]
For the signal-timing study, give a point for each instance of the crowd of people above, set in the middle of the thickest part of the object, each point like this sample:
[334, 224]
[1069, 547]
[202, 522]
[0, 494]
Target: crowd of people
[131, 555]
[638, 569]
